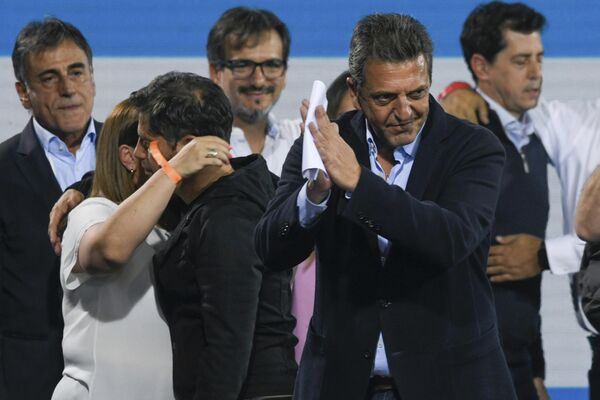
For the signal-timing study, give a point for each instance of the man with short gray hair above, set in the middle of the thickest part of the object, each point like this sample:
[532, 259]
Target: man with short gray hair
[401, 222]
[55, 82]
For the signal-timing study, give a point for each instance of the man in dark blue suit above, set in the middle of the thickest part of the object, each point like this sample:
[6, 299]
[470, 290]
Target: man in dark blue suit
[402, 223]
[55, 83]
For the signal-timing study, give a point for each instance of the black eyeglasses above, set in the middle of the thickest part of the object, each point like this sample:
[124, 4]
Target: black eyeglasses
[242, 69]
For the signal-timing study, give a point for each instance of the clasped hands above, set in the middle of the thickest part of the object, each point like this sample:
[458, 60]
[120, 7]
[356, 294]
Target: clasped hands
[338, 157]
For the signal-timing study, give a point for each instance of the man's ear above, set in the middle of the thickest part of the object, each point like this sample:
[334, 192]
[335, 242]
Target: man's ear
[214, 73]
[480, 67]
[183, 141]
[127, 158]
[353, 93]
[23, 95]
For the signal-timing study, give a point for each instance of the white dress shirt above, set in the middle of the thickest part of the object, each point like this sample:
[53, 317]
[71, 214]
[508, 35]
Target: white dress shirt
[518, 131]
[281, 134]
[570, 132]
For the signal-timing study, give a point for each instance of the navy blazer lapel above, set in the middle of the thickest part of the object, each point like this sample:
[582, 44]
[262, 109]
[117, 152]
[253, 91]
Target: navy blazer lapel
[36, 169]
[357, 139]
[433, 133]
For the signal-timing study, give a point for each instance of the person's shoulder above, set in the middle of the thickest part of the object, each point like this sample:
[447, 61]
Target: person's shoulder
[99, 202]
[287, 128]
[10, 145]
[465, 131]
[96, 206]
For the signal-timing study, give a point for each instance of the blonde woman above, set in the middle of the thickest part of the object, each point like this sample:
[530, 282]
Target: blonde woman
[116, 344]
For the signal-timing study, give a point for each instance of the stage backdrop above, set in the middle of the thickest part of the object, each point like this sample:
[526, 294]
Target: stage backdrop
[133, 41]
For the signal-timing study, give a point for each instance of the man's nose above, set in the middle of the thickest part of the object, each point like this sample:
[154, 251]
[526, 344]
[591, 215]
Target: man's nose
[66, 86]
[402, 108]
[535, 69]
[258, 75]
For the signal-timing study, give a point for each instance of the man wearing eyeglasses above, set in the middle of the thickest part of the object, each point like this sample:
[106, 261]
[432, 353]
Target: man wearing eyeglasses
[54, 81]
[247, 53]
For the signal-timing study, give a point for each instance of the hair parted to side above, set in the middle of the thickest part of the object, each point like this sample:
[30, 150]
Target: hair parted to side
[111, 179]
[42, 35]
[177, 104]
[240, 27]
[483, 30]
[387, 37]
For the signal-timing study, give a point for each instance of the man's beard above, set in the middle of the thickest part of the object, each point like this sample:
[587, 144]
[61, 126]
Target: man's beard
[249, 115]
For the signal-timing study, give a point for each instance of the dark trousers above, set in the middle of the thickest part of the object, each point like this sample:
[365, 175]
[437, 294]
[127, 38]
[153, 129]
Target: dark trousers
[522, 377]
[382, 388]
[594, 372]
[517, 309]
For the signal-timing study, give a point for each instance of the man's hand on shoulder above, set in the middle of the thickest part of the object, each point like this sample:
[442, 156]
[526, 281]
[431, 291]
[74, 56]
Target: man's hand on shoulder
[58, 216]
[466, 104]
[514, 258]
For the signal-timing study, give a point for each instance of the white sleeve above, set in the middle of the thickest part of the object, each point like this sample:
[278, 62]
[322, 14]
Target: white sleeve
[564, 253]
[89, 213]
[570, 132]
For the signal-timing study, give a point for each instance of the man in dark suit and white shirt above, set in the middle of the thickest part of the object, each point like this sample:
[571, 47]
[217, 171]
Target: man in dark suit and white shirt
[401, 224]
[53, 66]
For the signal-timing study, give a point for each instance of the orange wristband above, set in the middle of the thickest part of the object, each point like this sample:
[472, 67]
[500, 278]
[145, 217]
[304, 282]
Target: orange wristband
[451, 88]
[164, 164]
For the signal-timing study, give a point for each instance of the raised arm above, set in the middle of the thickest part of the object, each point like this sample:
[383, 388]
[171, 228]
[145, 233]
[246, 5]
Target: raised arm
[110, 244]
[460, 100]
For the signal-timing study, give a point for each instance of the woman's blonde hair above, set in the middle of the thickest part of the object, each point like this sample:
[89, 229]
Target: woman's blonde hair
[112, 180]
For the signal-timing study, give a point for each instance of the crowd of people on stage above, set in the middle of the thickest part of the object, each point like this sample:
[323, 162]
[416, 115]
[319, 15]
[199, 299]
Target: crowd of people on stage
[177, 251]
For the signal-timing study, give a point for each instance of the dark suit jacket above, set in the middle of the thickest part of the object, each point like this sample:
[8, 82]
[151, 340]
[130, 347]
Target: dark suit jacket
[31, 324]
[431, 299]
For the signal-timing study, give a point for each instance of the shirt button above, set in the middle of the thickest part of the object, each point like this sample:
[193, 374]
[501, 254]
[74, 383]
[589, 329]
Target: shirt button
[367, 354]
[384, 303]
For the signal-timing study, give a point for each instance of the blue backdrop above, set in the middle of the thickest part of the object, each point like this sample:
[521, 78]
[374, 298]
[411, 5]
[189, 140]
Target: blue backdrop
[320, 28]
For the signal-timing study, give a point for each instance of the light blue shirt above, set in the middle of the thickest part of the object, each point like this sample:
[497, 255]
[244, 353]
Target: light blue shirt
[308, 212]
[67, 167]
[518, 131]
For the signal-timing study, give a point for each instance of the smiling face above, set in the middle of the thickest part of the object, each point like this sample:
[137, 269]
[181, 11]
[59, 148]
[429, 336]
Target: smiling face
[514, 79]
[60, 89]
[253, 97]
[395, 99]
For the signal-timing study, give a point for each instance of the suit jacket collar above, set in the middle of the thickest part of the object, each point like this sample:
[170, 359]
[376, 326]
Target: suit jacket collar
[434, 132]
[32, 162]
[36, 169]
[495, 125]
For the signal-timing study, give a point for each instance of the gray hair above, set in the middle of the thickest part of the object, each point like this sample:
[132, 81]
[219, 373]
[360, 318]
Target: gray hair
[41, 35]
[387, 37]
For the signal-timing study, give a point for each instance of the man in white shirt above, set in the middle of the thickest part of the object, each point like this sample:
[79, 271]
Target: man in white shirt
[503, 49]
[248, 52]
[570, 133]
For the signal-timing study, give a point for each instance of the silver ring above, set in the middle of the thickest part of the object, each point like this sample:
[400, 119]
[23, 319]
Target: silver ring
[212, 153]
